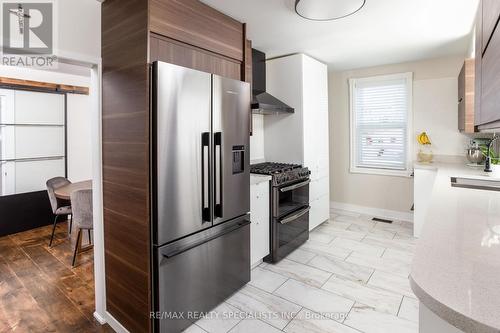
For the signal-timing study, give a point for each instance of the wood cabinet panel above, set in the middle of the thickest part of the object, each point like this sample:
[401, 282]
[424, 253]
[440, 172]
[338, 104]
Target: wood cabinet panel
[466, 97]
[490, 81]
[248, 62]
[174, 52]
[470, 94]
[491, 14]
[461, 99]
[125, 132]
[248, 75]
[193, 22]
[478, 64]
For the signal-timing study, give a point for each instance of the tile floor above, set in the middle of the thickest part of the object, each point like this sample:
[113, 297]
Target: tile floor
[351, 276]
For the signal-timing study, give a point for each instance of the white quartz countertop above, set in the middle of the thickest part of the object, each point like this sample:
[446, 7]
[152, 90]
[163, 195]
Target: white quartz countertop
[456, 267]
[257, 179]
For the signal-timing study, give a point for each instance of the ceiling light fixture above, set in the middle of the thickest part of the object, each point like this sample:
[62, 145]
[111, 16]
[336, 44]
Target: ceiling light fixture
[327, 10]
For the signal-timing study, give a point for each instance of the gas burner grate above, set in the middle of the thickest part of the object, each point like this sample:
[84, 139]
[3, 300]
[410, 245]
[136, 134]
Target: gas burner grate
[270, 168]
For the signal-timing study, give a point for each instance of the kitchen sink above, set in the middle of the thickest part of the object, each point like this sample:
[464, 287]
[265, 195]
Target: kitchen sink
[475, 183]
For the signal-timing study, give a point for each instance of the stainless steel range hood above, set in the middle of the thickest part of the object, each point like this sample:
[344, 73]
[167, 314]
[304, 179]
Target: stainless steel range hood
[263, 102]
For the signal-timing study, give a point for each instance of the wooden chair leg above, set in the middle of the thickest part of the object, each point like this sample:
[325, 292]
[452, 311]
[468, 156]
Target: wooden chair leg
[90, 239]
[70, 225]
[53, 230]
[77, 246]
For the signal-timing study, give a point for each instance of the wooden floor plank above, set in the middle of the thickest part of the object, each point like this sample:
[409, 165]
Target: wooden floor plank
[39, 289]
[18, 308]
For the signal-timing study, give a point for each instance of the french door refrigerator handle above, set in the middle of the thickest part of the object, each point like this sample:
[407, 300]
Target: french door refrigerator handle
[205, 176]
[218, 174]
[181, 249]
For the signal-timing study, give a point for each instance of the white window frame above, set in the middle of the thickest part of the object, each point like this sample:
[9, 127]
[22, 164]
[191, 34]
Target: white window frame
[409, 128]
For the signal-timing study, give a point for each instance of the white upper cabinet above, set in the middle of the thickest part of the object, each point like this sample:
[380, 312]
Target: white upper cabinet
[39, 108]
[302, 137]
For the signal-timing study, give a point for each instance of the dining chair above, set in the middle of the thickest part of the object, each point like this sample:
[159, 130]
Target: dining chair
[81, 203]
[59, 207]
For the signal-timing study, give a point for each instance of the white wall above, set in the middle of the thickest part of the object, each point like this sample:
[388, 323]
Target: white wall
[79, 137]
[435, 111]
[79, 29]
[77, 25]
[48, 76]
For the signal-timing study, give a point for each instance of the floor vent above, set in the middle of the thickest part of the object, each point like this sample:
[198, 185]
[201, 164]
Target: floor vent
[376, 219]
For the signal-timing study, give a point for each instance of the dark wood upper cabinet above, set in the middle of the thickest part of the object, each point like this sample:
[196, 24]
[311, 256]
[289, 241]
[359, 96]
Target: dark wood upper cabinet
[178, 53]
[490, 81]
[490, 14]
[487, 106]
[192, 22]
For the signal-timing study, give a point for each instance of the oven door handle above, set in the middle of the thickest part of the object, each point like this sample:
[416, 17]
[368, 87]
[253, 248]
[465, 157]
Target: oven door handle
[294, 186]
[295, 216]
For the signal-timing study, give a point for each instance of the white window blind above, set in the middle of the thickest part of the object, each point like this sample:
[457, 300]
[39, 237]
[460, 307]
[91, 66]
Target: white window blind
[380, 123]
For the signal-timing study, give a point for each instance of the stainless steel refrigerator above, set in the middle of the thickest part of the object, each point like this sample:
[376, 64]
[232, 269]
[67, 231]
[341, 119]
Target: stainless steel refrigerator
[201, 192]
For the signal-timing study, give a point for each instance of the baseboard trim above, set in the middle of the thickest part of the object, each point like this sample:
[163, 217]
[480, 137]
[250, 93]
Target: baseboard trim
[99, 318]
[257, 264]
[115, 324]
[377, 212]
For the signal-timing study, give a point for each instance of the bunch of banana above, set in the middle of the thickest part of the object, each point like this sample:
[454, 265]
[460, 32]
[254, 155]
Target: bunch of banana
[423, 139]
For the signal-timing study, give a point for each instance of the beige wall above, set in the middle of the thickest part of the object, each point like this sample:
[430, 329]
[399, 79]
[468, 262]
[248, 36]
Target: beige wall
[435, 111]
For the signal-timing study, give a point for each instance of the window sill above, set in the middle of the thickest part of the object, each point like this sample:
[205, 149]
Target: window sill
[382, 172]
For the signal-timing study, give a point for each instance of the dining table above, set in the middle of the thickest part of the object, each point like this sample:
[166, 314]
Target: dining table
[64, 192]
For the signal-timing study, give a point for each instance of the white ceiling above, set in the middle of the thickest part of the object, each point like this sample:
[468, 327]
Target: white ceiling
[383, 32]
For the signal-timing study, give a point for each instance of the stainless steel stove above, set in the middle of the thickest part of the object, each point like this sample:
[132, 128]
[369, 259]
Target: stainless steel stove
[289, 218]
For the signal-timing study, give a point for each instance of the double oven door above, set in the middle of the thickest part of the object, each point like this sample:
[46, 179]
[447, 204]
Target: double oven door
[290, 218]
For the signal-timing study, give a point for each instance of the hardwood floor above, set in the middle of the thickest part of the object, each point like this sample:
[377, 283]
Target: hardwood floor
[39, 290]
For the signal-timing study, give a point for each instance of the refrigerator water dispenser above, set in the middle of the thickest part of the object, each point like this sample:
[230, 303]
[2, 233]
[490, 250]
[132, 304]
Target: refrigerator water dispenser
[238, 159]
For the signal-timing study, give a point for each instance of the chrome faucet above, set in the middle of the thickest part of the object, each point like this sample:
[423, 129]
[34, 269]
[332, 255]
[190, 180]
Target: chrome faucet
[487, 164]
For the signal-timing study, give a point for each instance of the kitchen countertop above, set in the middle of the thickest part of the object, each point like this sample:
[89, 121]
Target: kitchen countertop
[456, 267]
[257, 179]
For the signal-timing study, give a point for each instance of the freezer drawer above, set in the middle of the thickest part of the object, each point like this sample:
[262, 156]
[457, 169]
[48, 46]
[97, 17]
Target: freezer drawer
[199, 272]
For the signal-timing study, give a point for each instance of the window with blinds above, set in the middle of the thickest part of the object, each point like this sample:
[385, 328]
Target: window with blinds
[380, 124]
